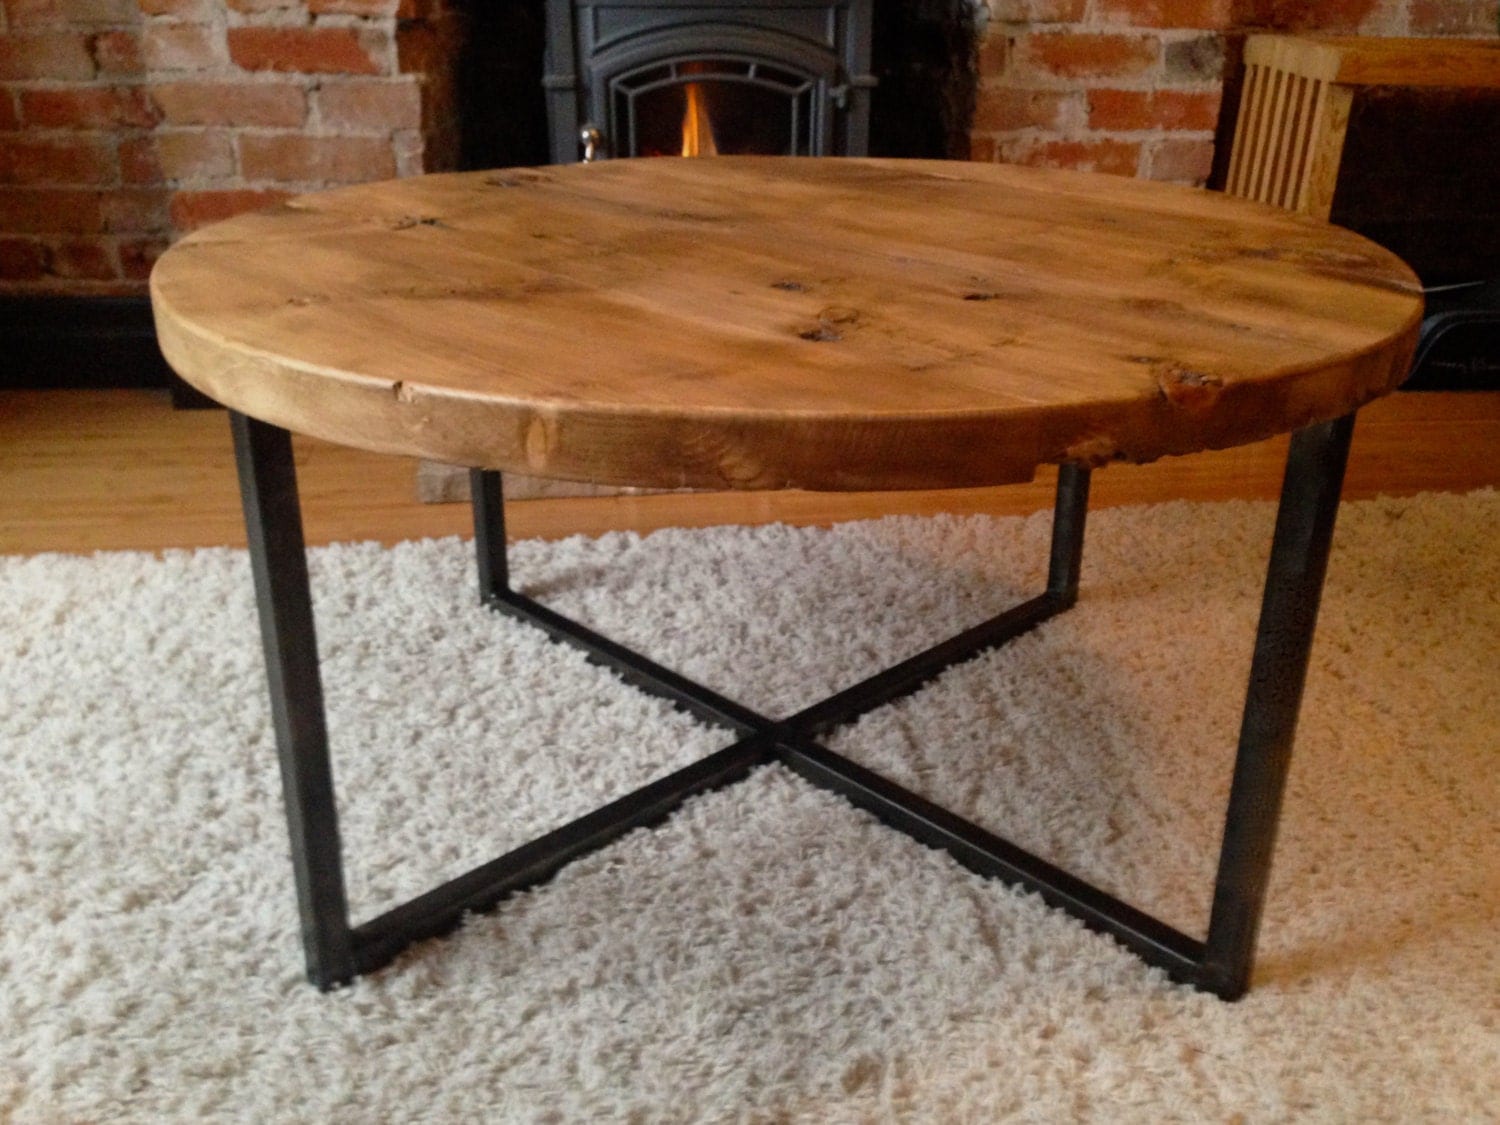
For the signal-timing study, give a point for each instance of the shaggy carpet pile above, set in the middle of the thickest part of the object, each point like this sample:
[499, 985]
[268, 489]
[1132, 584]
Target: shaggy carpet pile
[769, 954]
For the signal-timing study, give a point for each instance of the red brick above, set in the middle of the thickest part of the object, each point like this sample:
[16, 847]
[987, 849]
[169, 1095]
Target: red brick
[1126, 110]
[73, 13]
[72, 161]
[275, 104]
[420, 49]
[193, 209]
[134, 210]
[10, 117]
[22, 259]
[1250, 13]
[369, 106]
[181, 46]
[1455, 17]
[296, 158]
[137, 256]
[1166, 13]
[1092, 56]
[255, 7]
[204, 155]
[307, 50]
[49, 210]
[982, 150]
[995, 54]
[1120, 158]
[138, 161]
[352, 7]
[1186, 162]
[83, 261]
[1039, 11]
[97, 107]
[116, 53]
[1305, 15]
[999, 108]
[1194, 61]
[58, 56]
[181, 9]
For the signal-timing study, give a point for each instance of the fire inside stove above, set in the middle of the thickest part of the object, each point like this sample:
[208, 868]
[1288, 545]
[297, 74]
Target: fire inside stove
[697, 127]
[716, 108]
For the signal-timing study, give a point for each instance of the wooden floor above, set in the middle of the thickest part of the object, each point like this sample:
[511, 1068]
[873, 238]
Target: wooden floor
[102, 470]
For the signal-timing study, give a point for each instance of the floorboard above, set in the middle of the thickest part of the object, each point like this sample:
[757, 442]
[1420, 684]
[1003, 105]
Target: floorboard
[83, 471]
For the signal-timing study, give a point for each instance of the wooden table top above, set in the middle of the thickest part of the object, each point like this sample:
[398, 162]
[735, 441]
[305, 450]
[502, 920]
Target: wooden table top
[769, 322]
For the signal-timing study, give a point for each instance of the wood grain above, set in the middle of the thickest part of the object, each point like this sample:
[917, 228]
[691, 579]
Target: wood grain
[1378, 61]
[764, 323]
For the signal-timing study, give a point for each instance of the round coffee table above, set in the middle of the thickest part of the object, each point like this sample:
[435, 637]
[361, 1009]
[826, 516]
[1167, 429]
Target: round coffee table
[776, 323]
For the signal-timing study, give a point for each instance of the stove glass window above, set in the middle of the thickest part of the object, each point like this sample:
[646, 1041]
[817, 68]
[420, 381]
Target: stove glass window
[706, 107]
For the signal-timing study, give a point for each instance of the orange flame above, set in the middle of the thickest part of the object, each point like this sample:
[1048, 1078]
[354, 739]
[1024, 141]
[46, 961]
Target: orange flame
[697, 130]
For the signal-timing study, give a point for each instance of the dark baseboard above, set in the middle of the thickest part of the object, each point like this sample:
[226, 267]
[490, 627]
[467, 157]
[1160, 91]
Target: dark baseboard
[78, 343]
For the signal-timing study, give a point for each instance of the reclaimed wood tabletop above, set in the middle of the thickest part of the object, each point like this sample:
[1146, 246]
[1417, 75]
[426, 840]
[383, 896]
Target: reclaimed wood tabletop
[764, 322]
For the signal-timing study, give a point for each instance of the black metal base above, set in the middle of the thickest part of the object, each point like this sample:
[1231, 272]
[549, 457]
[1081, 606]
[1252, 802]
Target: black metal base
[337, 952]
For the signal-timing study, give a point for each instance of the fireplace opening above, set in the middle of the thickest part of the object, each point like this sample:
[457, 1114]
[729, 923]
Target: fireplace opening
[780, 77]
[712, 107]
[765, 89]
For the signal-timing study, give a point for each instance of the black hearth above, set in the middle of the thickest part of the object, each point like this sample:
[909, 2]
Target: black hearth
[701, 77]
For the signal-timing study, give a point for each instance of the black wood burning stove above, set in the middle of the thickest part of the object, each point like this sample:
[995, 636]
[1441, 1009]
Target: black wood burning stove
[699, 77]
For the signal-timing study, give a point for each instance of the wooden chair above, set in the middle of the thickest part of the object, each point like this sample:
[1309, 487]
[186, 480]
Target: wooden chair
[1294, 110]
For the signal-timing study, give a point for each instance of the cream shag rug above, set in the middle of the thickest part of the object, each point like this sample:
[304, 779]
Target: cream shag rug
[770, 954]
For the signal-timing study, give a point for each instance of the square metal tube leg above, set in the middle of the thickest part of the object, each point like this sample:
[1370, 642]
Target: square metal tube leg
[487, 496]
[1278, 671]
[273, 522]
[1069, 515]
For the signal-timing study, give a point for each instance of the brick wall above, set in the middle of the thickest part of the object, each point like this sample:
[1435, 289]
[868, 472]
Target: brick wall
[1135, 86]
[124, 123]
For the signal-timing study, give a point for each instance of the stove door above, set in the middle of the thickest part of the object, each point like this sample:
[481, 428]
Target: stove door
[708, 89]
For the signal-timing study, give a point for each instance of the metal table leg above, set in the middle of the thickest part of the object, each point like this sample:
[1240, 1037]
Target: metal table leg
[1221, 964]
[1278, 670]
[273, 519]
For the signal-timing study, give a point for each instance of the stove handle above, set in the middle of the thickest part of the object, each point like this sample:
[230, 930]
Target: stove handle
[592, 141]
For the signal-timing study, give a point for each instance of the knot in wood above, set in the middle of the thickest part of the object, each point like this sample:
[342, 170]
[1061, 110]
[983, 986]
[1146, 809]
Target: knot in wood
[830, 320]
[1189, 390]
